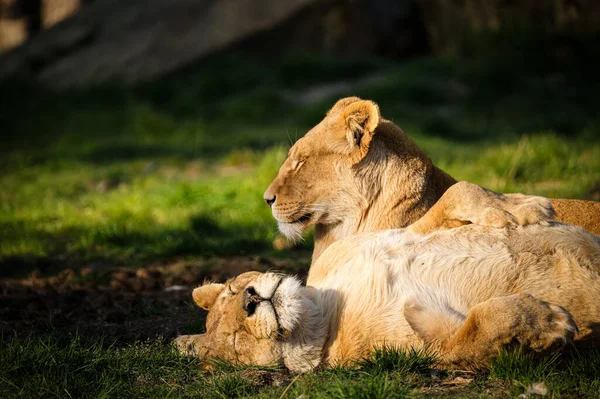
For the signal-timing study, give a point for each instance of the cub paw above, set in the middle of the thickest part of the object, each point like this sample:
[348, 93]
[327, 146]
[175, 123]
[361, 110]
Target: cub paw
[548, 327]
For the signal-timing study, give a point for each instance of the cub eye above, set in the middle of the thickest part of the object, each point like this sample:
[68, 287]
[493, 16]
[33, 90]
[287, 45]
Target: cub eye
[250, 307]
[251, 299]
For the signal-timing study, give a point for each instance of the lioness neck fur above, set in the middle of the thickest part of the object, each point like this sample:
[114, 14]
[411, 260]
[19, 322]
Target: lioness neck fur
[358, 172]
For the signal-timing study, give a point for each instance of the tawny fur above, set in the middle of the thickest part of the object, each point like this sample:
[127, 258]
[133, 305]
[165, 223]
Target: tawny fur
[358, 172]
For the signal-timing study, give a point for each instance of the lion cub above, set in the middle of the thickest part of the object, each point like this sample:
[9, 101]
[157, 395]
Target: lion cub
[464, 292]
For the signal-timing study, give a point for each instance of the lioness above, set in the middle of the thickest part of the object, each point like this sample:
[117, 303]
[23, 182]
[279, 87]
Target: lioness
[357, 172]
[463, 292]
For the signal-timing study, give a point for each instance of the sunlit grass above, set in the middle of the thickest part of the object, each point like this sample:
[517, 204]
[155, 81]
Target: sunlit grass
[391, 359]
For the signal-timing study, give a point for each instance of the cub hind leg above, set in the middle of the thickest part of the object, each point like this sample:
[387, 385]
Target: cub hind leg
[489, 326]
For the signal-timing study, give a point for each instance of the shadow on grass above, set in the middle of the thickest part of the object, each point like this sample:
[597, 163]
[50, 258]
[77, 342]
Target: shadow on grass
[118, 245]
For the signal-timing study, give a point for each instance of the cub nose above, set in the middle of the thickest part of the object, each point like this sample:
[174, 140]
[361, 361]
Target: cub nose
[271, 200]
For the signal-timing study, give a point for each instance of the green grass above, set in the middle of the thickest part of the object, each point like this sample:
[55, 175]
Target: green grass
[388, 359]
[518, 365]
[58, 365]
[574, 374]
[67, 367]
[172, 169]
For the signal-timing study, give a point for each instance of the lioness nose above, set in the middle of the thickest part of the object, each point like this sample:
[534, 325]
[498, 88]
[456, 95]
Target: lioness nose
[270, 201]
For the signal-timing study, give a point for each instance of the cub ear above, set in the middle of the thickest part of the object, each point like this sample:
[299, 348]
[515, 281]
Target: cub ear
[206, 295]
[361, 118]
[342, 103]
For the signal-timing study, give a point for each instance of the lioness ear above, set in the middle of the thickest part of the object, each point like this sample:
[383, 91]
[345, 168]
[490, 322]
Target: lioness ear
[206, 295]
[361, 118]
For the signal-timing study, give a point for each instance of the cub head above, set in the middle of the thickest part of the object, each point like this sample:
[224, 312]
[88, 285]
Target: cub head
[316, 183]
[258, 318]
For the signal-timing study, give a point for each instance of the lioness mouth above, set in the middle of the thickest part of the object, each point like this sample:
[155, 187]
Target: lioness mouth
[304, 218]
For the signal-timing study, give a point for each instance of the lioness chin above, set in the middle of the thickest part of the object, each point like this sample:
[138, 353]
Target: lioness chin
[358, 172]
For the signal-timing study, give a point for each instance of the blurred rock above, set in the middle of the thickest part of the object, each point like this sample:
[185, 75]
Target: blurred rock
[455, 27]
[137, 40]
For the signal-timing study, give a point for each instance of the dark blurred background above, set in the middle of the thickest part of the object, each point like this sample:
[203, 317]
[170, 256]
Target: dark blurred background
[65, 43]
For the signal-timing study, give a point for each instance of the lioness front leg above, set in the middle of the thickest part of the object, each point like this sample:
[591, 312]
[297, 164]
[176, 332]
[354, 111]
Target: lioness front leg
[465, 203]
[499, 321]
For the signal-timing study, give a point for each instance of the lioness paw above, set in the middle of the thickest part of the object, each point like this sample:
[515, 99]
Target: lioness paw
[466, 201]
[528, 209]
[495, 217]
[515, 210]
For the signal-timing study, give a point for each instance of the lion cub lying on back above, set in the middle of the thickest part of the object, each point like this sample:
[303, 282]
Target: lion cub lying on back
[464, 292]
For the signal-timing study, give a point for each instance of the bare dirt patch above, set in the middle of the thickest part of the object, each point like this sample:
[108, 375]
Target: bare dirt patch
[122, 304]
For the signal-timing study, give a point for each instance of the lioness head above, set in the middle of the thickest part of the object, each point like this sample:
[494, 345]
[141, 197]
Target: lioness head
[316, 183]
[258, 318]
